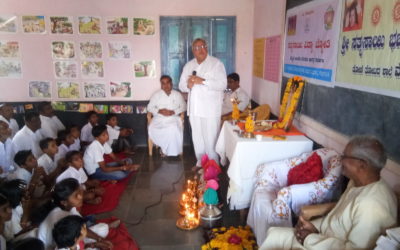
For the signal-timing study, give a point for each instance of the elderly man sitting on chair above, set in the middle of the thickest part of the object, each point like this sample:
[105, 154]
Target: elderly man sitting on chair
[365, 210]
[166, 129]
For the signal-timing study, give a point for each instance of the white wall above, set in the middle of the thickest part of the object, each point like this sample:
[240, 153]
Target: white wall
[269, 20]
[36, 53]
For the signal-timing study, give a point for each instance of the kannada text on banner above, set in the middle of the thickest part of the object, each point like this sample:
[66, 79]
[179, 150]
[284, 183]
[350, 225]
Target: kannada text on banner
[258, 57]
[311, 40]
[369, 44]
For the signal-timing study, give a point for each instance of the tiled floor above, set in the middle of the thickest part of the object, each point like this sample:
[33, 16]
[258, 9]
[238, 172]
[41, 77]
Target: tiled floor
[156, 230]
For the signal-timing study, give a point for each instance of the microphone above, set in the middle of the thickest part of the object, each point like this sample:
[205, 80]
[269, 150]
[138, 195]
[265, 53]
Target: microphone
[194, 73]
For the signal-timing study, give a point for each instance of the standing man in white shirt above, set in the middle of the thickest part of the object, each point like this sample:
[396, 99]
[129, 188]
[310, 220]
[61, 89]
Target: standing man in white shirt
[6, 115]
[5, 149]
[204, 78]
[51, 125]
[235, 92]
[27, 138]
[166, 129]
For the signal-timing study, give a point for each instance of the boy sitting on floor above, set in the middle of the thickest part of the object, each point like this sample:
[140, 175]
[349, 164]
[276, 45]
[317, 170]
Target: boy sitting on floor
[86, 132]
[48, 161]
[29, 171]
[94, 158]
[118, 137]
[93, 191]
[76, 133]
[69, 232]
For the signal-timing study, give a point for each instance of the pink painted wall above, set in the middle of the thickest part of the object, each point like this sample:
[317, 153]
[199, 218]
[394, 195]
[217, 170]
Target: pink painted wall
[269, 20]
[36, 49]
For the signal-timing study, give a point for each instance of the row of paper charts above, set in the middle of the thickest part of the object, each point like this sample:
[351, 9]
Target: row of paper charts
[86, 107]
[75, 90]
[85, 25]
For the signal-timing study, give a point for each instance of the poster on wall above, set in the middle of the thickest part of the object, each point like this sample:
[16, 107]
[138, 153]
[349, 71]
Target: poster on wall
[39, 89]
[100, 108]
[68, 90]
[120, 89]
[8, 24]
[89, 25]
[62, 49]
[121, 109]
[258, 59]
[92, 69]
[65, 69]
[94, 89]
[90, 50]
[145, 69]
[10, 68]
[369, 46]
[9, 49]
[33, 24]
[117, 25]
[143, 26]
[61, 25]
[119, 50]
[312, 31]
[272, 59]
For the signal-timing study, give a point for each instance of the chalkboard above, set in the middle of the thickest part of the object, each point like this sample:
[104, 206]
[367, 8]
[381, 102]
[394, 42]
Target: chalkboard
[353, 112]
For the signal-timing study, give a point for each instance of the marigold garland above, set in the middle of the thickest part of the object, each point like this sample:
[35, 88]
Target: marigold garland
[231, 239]
[249, 125]
[286, 115]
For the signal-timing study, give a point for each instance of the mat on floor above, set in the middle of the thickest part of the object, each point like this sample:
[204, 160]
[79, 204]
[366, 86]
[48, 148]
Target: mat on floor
[120, 236]
[110, 198]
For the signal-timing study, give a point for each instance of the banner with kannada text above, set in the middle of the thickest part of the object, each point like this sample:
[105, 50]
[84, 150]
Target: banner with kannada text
[312, 32]
[369, 44]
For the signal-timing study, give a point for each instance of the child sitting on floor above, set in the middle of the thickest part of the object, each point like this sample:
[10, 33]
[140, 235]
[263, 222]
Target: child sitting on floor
[5, 215]
[94, 159]
[69, 232]
[67, 200]
[29, 171]
[76, 133]
[118, 137]
[64, 141]
[14, 190]
[48, 161]
[86, 132]
[93, 191]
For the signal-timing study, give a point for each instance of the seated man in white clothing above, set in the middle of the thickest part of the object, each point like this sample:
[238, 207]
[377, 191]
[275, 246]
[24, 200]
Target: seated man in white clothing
[6, 115]
[366, 209]
[166, 129]
[27, 138]
[234, 92]
[50, 122]
[6, 164]
[86, 131]
[118, 137]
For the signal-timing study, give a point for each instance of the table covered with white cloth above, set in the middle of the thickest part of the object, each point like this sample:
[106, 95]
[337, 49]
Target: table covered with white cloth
[245, 154]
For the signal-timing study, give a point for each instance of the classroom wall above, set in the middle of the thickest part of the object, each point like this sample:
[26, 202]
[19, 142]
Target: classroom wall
[269, 20]
[37, 62]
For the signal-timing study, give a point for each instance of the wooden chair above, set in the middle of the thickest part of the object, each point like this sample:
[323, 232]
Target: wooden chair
[149, 119]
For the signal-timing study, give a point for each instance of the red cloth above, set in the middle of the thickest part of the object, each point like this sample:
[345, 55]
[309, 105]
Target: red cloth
[110, 198]
[306, 172]
[120, 237]
[108, 159]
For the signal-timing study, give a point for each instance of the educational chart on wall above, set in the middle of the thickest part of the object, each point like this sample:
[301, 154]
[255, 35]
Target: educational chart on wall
[258, 57]
[312, 32]
[272, 59]
[369, 45]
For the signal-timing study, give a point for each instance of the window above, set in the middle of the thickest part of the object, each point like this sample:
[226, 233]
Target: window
[177, 34]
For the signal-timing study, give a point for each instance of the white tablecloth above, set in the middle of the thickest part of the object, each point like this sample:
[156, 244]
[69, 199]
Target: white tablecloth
[246, 154]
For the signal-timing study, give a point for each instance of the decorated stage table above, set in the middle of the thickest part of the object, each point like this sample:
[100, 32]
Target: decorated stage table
[245, 154]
